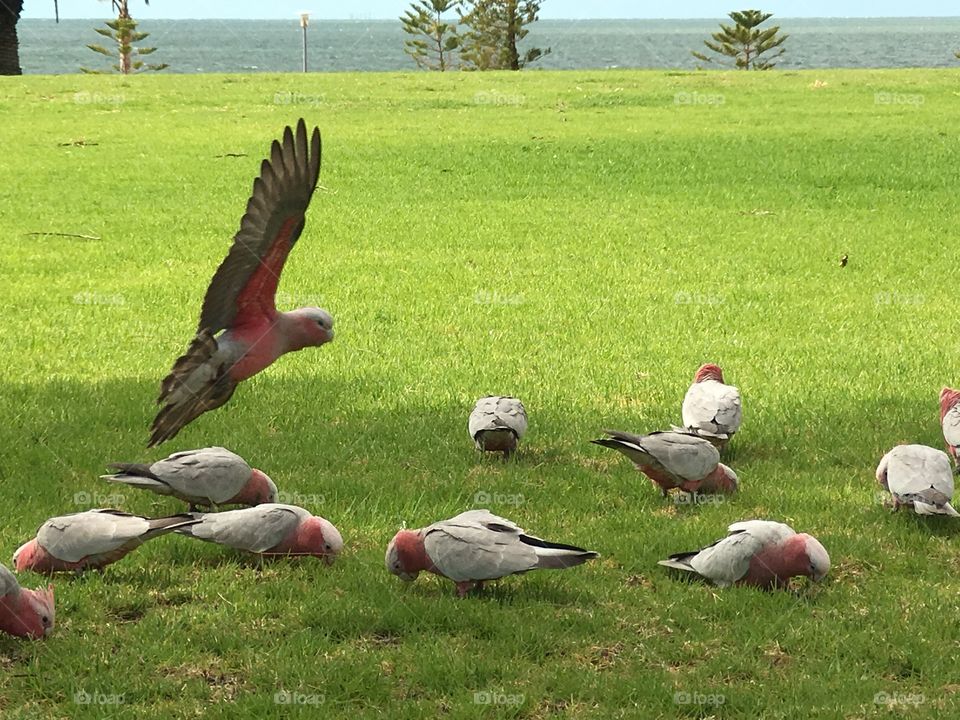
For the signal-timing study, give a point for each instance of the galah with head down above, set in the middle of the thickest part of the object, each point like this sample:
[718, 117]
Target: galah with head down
[269, 529]
[240, 301]
[497, 423]
[211, 476]
[950, 421]
[476, 546]
[24, 613]
[760, 553]
[711, 409]
[91, 540]
[675, 460]
[920, 477]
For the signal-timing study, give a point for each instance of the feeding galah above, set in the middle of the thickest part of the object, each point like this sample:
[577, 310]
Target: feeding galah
[476, 546]
[950, 421]
[269, 529]
[497, 424]
[756, 552]
[91, 540]
[240, 301]
[675, 460]
[920, 477]
[711, 409]
[24, 613]
[211, 476]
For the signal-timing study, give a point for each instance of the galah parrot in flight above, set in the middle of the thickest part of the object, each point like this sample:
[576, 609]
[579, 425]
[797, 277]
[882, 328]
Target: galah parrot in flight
[269, 529]
[761, 553]
[950, 421]
[476, 546]
[497, 424]
[920, 477]
[91, 540]
[675, 460]
[711, 409]
[240, 302]
[24, 613]
[211, 477]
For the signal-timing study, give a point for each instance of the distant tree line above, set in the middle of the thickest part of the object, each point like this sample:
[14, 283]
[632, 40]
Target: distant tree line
[483, 34]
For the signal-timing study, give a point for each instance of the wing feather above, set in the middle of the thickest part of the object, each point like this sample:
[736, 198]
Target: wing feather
[245, 283]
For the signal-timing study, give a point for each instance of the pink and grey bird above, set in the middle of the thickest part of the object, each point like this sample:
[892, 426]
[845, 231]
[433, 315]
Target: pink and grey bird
[91, 540]
[476, 546]
[24, 613]
[711, 409]
[950, 421]
[918, 477]
[675, 460]
[756, 552]
[269, 529]
[211, 477]
[497, 423]
[240, 302]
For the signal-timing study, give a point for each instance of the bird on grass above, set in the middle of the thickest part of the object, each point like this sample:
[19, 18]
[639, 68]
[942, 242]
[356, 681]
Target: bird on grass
[497, 423]
[476, 546]
[240, 331]
[760, 553]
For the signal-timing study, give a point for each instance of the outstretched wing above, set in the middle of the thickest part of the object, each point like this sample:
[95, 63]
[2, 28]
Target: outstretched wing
[245, 284]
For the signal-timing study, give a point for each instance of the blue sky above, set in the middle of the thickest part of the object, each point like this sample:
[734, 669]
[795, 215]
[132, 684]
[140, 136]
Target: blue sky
[391, 9]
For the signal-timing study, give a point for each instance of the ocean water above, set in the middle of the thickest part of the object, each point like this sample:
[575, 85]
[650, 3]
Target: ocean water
[234, 46]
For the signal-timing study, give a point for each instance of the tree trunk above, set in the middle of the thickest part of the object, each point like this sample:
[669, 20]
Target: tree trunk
[9, 44]
[512, 57]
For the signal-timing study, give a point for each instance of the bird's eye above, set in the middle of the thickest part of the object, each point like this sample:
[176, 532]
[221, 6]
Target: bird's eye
[45, 620]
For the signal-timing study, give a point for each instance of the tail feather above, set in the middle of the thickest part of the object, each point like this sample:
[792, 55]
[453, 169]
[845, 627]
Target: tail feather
[138, 481]
[195, 385]
[680, 561]
[163, 525]
[557, 556]
[922, 508]
[135, 469]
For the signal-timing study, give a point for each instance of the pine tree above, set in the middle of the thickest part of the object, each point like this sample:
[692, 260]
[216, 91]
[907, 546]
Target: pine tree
[745, 42]
[123, 32]
[435, 41]
[495, 28]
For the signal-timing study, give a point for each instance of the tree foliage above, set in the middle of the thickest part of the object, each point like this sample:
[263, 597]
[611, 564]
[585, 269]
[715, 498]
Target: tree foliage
[495, 28]
[434, 41]
[123, 32]
[749, 47]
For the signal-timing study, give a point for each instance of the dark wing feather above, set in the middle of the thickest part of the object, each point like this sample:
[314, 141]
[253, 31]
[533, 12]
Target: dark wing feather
[246, 281]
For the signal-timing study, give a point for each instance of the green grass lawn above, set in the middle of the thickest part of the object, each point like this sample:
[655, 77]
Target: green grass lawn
[582, 240]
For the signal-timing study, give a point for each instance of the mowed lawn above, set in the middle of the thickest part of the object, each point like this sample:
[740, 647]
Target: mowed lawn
[583, 240]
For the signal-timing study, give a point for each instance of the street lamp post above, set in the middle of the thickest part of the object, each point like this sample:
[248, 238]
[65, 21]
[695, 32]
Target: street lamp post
[304, 21]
